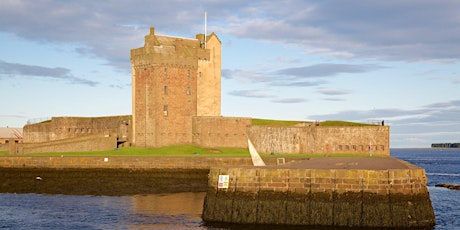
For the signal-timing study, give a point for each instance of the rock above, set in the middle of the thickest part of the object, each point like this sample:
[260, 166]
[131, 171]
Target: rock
[449, 186]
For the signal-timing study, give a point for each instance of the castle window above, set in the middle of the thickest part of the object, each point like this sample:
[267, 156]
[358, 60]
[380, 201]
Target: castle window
[188, 73]
[165, 110]
[165, 90]
[188, 91]
[165, 73]
[199, 74]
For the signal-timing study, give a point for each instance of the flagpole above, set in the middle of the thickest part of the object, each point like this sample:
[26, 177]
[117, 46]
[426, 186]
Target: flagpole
[205, 19]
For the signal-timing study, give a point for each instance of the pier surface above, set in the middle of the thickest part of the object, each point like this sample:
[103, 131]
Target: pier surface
[381, 163]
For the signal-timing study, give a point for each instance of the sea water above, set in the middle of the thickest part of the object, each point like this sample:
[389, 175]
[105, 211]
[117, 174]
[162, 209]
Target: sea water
[183, 210]
[442, 166]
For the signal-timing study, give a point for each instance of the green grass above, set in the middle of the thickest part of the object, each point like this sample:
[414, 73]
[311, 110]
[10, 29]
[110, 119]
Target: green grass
[343, 123]
[292, 123]
[274, 122]
[179, 150]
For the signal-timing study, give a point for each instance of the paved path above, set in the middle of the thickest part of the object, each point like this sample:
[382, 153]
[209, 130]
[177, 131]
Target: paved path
[378, 163]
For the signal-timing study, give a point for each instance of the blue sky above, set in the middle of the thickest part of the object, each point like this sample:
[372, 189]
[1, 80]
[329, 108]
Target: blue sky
[393, 60]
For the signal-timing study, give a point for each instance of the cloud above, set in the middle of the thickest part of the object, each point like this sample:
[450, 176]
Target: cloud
[13, 116]
[103, 29]
[249, 93]
[280, 82]
[437, 122]
[326, 70]
[442, 115]
[333, 99]
[284, 60]
[390, 30]
[295, 77]
[249, 76]
[334, 92]
[15, 69]
[290, 100]
[449, 79]
[396, 30]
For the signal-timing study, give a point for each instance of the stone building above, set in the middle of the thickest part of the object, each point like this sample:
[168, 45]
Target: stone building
[9, 136]
[173, 79]
[176, 99]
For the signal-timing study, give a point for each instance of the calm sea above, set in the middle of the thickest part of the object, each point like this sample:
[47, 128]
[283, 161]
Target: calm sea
[183, 210]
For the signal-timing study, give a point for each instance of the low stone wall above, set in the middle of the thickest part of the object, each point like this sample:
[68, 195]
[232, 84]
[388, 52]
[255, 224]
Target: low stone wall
[85, 143]
[323, 197]
[193, 162]
[111, 175]
[61, 128]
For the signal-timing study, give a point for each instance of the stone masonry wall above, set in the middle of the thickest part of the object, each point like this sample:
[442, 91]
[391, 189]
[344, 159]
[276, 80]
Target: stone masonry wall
[165, 72]
[60, 128]
[78, 144]
[229, 132]
[209, 78]
[321, 139]
[353, 198]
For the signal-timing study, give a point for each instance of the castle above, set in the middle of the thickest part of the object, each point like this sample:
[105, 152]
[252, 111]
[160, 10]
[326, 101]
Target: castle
[176, 99]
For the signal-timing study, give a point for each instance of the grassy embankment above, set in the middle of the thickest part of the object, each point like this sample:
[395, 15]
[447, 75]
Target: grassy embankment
[191, 150]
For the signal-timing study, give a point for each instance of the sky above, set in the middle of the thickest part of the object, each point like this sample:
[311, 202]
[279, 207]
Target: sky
[360, 61]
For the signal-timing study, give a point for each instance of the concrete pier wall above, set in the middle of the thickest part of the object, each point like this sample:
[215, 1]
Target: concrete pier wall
[320, 197]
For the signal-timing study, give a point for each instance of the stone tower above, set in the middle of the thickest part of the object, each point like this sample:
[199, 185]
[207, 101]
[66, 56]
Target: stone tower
[209, 77]
[173, 79]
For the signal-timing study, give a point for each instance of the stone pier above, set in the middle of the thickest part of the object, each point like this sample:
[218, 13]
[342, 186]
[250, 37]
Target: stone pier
[354, 192]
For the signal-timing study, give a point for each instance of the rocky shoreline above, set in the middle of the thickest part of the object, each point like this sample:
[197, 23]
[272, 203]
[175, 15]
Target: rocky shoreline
[449, 186]
[111, 182]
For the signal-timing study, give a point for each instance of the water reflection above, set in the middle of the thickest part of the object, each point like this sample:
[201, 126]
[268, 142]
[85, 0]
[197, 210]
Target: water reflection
[167, 211]
[36, 211]
[169, 204]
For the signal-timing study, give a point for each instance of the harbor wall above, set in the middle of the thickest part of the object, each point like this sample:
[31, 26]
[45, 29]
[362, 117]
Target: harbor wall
[130, 162]
[320, 197]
